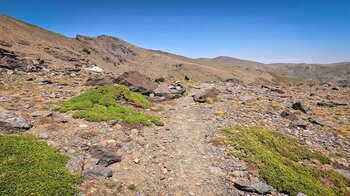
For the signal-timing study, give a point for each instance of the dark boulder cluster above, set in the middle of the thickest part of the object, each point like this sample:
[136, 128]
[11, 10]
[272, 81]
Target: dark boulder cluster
[11, 61]
[138, 82]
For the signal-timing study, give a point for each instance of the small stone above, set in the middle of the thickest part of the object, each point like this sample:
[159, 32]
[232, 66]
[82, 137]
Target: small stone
[83, 126]
[44, 135]
[137, 160]
[41, 114]
[97, 172]
[111, 142]
[75, 164]
[9, 72]
[301, 194]
[134, 132]
[191, 193]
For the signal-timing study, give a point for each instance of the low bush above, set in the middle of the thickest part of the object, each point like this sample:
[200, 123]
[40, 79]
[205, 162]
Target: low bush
[282, 162]
[31, 167]
[101, 104]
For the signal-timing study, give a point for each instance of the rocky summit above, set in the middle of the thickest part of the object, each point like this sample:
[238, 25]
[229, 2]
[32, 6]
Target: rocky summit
[131, 121]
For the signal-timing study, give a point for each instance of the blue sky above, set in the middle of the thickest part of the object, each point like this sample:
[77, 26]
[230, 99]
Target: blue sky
[312, 31]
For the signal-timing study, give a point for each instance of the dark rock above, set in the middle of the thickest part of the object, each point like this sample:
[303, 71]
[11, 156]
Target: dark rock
[105, 157]
[187, 78]
[41, 114]
[47, 82]
[100, 80]
[160, 80]
[97, 172]
[10, 120]
[299, 125]
[277, 90]
[316, 121]
[5, 43]
[299, 106]
[136, 81]
[289, 116]
[209, 93]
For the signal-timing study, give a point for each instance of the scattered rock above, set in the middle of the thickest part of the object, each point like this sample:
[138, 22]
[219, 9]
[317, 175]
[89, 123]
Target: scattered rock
[316, 121]
[46, 82]
[136, 160]
[344, 173]
[41, 114]
[97, 172]
[249, 186]
[105, 157]
[160, 80]
[331, 104]
[83, 126]
[10, 120]
[209, 93]
[5, 43]
[44, 135]
[289, 116]
[301, 194]
[100, 80]
[92, 68]
[299, 106]
[75, 164]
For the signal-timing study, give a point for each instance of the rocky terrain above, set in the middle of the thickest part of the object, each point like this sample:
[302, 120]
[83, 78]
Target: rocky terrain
[195, 98]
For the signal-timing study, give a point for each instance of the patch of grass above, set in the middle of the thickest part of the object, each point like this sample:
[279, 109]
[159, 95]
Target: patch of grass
[31, 167]
[102, 104]
[281, 161]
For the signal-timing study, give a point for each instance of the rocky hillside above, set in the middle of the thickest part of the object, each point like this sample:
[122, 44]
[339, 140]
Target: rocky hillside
[109, 53]
[77, 119]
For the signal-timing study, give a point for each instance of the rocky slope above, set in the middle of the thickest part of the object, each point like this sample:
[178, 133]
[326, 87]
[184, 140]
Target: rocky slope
[39, 70]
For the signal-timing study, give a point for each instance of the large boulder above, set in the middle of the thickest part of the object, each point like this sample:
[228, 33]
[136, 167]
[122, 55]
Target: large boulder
[10, 121]
[211, 93]
[136, 81]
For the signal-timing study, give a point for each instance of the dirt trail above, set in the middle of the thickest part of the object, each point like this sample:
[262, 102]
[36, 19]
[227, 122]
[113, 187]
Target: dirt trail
[177, 159]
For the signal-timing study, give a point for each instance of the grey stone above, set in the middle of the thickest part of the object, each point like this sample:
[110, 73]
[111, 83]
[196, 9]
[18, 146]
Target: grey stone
[105, 157]
[253, 186]
[289, 116]
[97, 172]
[41, 114]
[203, 96]
[344, 173]
[13, 120]
[75, 164]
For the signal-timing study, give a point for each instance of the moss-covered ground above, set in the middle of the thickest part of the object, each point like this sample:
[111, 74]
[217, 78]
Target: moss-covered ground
[102, 104]
[31, 167]
[283, 162]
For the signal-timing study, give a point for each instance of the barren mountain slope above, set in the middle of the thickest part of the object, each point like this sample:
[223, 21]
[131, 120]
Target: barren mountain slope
[319, 72]
[111, 54]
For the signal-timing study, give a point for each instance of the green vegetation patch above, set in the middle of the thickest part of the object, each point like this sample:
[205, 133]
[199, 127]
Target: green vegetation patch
[281, 161]
[31, 167]
[101, 104]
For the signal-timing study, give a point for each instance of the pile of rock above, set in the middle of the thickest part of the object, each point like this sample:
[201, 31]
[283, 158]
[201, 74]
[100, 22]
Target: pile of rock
[167, 92]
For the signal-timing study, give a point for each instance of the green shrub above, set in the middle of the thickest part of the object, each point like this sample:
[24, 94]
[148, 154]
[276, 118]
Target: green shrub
[102, 104]
[280, 158]
[31, 167]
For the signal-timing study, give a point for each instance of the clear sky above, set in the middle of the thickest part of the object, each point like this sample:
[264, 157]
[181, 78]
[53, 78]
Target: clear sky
[312, 31]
